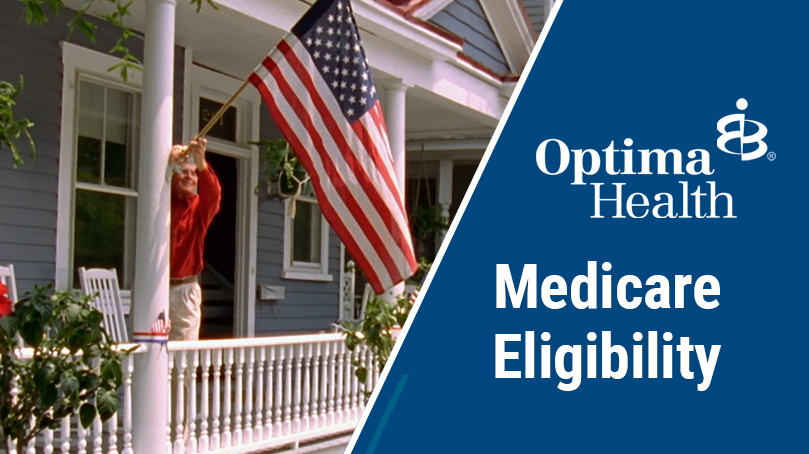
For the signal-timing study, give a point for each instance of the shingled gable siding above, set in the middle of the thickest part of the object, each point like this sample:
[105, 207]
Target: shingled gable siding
[29, 195]
[308, 306]
[466, 19]
[536, 12]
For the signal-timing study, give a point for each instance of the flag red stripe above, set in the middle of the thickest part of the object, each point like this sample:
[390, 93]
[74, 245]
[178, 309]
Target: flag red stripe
[325, 204]
[331, 170]
[382, 128]
[402, 241]
[368, 142]
[383, 209]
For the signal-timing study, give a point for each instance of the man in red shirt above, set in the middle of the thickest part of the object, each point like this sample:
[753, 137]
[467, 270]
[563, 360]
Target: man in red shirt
[195, 198]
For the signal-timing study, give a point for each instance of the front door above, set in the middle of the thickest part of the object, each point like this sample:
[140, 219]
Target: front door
[218, 277]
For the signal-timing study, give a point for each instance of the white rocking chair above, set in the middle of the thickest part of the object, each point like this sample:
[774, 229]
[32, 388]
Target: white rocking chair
[103, 286]
[7, 278]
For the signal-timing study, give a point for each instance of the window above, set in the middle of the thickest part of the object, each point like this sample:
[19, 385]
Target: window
[105, 197]
[306, 240]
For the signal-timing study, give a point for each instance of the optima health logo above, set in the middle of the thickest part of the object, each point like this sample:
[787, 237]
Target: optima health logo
[756, 137]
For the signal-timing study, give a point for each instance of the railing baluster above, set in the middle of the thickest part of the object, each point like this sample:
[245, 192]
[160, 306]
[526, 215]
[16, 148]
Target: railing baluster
[269, 398]
[277, 398]
[355, 385]
[217, 396]
[370, 382]
[191, 417]
[226, 433]
[237, 433]
[324, 385]
[287, 389]
[179, 406]
[98, 438]
[338, 388]
[47, 440]
[331, 350]
[248, 400]
[258, 435]
[65, 436]
[315, 387]
[205, 403]
[31, 449]
[81, 433]
[297, 385]
[112, 434]
[129, 368]
[346, 355]
[307, 386]
[170, 401]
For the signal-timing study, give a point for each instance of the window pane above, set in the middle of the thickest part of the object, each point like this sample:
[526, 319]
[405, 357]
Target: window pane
[118, 155]
[104, 233]
[225, 128]
[88, 160]
[91, 110]
[306, 233]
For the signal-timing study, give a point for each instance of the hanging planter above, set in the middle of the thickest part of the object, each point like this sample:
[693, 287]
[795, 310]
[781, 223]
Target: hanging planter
[284, 175]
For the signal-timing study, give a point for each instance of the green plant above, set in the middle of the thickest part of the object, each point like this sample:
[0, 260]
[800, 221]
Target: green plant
[284, 174]
[12, 128]
[34, 12]
[72, 365]
[375, 330]
[427, 220]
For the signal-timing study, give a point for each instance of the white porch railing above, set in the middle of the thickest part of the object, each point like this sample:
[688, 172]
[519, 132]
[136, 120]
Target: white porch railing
[237, 396]
[112, 437]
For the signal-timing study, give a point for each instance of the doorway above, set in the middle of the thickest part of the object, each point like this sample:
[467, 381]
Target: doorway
[218, 276]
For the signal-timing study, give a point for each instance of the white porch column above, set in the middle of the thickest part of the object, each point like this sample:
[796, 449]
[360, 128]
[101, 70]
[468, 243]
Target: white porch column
[444, 194]
[395, 119]
[394, 106]
[151, 292]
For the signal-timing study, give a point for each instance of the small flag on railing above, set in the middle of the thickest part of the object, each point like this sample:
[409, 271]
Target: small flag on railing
[161, 325]
[319, 89]
[159, 333]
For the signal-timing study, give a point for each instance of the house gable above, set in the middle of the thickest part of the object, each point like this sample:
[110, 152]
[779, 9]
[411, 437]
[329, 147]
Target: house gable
[467, 19]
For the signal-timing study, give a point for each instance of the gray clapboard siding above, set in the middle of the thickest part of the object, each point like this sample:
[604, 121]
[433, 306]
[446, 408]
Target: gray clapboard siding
[28, 195]
[536, 13]
[308, 306]
[466, 19]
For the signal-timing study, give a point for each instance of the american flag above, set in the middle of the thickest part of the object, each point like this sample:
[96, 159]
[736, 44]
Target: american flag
[318, 86]
[161, 325]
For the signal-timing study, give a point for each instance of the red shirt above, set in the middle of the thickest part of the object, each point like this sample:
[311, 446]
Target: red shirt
[190, 219]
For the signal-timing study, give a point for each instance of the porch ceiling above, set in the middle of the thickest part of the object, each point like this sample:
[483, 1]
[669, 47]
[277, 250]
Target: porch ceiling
[233, 41]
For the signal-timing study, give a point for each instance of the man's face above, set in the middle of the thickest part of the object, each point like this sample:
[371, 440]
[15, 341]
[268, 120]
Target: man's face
[184, 183]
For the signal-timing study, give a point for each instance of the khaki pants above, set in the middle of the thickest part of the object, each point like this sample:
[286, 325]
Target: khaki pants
[185, 311]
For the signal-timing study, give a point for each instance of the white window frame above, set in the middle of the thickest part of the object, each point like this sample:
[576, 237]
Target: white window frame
[305, 271]
[79, 62]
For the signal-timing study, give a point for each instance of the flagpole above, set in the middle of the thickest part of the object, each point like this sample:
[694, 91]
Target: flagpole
[222, 110]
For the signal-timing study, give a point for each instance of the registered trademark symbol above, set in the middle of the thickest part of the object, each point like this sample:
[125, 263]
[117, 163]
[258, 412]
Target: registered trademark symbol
[771, 156]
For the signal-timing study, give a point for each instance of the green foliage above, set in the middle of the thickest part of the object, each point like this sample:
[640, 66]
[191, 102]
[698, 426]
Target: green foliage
[37, 12]
[12, 128]
[284, 174]
[427, 220]
[375, 331]
[74, 366]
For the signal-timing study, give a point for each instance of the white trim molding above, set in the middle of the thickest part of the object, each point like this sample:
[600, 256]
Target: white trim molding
[510, 26]
[318, 272]
[204, 83]
[431, 8]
